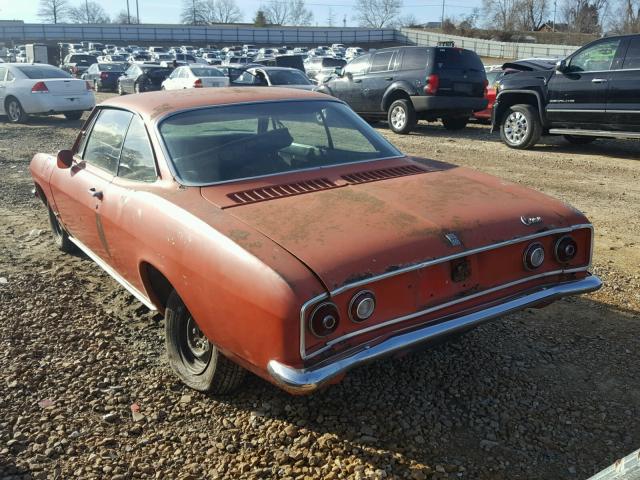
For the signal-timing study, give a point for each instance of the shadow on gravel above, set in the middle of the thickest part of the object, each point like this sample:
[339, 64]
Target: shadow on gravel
[58, 121]
[552, 388]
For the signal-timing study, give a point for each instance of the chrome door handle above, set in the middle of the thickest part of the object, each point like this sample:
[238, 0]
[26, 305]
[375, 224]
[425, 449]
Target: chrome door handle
[388, 78]
[95, 193]
[599, 80]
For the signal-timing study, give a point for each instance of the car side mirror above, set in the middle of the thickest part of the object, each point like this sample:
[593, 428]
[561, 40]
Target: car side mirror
[349, 76]
[561, 66]
[65, 159]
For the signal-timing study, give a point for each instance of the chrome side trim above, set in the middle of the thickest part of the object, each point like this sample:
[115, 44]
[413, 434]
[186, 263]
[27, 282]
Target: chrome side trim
[429, 263]
[573, 110]
[115, 275]
[306, 380]
[593, 133]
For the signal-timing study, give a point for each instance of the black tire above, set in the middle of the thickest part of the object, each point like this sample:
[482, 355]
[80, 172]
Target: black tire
[521, 127]
[455, 123]
[137, 88]
[96, 87]
[579, 139]
[120, 89]
[77, 115]
[60, 236]
[402, 117]
[199, 365]
[14, 111]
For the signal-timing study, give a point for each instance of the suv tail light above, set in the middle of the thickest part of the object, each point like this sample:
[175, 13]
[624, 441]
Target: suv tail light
[88, 84]
[197, 83]
[40, 87]
[74, 69]
[104, 75]
[433, 81]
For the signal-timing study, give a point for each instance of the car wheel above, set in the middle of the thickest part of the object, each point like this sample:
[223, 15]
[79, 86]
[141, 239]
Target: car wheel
[73, 115]
[96, 86]
[120, 89]
[579, 139]
[454, 123]
[198, 363]
[138, 88]
[521, 127]
[15, 112]
[401, 117]
[60, 236]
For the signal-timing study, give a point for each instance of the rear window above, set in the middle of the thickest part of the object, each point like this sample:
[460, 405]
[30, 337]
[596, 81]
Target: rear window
[207, 72]
[415, 58]
[40, 72]
[110, 67]
[457, 58]
[333, 62]
[157, 72]
[83, 59]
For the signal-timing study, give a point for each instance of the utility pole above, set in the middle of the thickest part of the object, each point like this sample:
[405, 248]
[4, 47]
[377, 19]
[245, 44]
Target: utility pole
[137, 12]
[555, 4]
[128, 14]
[442, 16]
[86, 6]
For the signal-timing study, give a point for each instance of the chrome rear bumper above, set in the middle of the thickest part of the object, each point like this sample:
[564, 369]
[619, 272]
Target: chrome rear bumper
[306, 380]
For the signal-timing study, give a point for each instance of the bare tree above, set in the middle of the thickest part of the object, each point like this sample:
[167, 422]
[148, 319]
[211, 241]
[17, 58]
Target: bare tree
[277, 12]
[53, 11]
[299, 14]
[408, 20]
[88, 12]
[194, 12]
[531, 14]
[223, 11]
[377, 13]
[501, 14]
[331, 18]
[123, 17]
[628, 17]
[584, 16]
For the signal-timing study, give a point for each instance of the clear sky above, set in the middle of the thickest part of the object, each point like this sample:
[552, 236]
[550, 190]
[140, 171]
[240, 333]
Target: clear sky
[158, 11]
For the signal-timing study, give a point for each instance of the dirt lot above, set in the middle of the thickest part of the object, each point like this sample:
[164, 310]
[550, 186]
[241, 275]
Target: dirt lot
[543, 394]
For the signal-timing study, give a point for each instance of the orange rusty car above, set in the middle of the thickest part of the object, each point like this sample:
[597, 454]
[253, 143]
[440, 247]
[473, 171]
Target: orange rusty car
[279, 233]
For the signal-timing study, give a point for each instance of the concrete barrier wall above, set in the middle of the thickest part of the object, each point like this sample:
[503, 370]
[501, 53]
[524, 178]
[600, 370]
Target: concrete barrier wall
[486, 48]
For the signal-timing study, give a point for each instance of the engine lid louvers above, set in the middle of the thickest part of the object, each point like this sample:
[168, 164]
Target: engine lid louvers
[383, 173]
[278, 191]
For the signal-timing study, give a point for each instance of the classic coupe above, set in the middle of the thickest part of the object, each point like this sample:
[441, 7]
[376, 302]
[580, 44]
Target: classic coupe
[277, 232]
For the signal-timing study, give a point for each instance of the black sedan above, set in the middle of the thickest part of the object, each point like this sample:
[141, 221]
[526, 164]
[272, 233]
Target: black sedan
[142, 78]
[104, 76]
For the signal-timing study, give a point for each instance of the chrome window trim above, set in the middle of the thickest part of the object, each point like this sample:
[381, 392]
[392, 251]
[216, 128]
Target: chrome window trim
[428, 263]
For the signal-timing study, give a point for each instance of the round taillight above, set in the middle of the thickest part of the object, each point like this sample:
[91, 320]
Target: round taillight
[566, 249]
[362, 306]
[324, 319]
[533, 256]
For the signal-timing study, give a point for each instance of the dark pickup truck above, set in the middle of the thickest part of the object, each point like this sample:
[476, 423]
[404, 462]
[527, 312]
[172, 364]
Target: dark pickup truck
[593, 93]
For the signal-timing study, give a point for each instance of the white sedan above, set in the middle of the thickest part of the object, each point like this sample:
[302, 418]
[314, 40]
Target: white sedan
[195, 76]
[27, 89]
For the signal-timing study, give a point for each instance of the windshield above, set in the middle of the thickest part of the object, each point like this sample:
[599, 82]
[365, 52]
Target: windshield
[207, 72]
[225, 143]
[38, 72]
[288, 77]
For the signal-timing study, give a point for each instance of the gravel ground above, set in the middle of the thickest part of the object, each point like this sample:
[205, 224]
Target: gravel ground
[551, 394]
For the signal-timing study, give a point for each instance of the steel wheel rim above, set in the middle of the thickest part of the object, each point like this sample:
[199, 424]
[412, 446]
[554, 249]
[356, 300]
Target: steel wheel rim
[14, 110]
[516, 128]
[398, 117]
[197, 348]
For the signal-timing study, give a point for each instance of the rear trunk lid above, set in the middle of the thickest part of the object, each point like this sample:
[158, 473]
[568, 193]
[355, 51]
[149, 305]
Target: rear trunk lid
[65, 86]
[215, 81]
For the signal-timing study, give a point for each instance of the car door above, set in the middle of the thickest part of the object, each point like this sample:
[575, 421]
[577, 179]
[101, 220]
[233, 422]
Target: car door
[348, 87]
[79, 191]
[132, 74]
[578, 95]
[121, 213]
[623, 98]
[379, 77]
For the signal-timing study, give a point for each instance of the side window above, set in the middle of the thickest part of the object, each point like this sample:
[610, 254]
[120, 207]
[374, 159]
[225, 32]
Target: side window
[10, 76]
[596, 58]
[414, 58]
[381, 62]
[130, 70]
[3, 72]
[632, 59]
[105, 140]
[357, 66]
[136, 160]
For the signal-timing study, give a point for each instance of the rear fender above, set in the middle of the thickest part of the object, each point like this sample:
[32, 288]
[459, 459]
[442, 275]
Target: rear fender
[398, 89]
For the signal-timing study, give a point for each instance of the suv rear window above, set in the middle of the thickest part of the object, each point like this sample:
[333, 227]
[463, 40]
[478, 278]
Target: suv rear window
[458, 58]
[333, 62]
[415, 58]
[83, 59]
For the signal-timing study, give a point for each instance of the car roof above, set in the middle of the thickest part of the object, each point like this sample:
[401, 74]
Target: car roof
[153, 105]
[270, 68]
